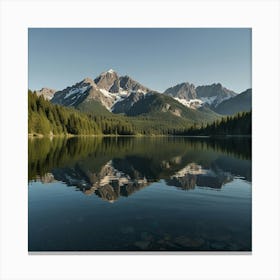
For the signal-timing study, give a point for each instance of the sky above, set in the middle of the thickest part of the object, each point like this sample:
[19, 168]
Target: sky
[156, 57]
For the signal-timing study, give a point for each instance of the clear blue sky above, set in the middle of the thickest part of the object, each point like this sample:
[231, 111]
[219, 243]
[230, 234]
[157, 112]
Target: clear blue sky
[157, 58]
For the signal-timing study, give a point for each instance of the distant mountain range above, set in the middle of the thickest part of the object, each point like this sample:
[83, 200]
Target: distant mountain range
[110, 92]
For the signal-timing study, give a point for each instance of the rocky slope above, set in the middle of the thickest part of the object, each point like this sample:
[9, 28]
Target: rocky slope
[195, 97]
[48, 93]
[109, 92]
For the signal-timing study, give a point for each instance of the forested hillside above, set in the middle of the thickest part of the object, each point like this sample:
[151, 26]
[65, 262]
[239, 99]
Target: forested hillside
[239, 124]
[45, 118]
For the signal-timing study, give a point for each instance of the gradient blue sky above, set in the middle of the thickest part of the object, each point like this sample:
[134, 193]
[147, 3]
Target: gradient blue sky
[157, 58]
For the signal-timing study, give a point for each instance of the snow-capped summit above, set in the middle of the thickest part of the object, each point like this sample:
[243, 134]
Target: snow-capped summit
[111, 71]
[195, 97]
[119, 93]
[107, 80]
[107, 88]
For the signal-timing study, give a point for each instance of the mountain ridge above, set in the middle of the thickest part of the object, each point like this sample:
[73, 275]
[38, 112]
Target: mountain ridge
[109, 92]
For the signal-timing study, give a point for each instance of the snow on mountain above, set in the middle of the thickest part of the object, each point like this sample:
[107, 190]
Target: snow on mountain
[107, 88]
[73, 95]
[214, 94]
[111, 71]
[208, 100]
[76, 91]
[119, 93]
[192, 103]
[195, 97]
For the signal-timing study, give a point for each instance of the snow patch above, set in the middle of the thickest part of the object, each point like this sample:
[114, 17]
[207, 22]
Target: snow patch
[141, 91]
[208, 100]
[192, 103]
[76, 91]
[118, 99]
[111, 71]
[191, 168]
[123, 92]
[196, 103]
[220, 100]
[106, 93]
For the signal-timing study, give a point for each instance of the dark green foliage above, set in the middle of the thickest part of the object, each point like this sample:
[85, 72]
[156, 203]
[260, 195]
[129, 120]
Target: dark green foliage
[93, 107]
[46, 154]
[239, 124]
[47, 119]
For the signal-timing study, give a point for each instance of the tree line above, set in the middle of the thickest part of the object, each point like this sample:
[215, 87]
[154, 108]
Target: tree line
[239, 124]
[45, 118]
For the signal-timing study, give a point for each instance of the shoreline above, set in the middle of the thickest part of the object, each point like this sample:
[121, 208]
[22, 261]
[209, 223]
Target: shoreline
[40, 136]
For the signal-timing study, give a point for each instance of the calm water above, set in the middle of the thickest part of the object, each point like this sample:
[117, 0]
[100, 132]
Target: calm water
[131, 194]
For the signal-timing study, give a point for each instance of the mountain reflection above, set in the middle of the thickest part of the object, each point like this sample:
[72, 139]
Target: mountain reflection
[114, 167]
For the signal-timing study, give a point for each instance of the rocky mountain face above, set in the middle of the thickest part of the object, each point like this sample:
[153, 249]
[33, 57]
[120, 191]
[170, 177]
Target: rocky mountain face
[214, 94]
[108, 81]
[85, 91]
[122, 94]
[75, 94]
[108, 89]
[182, 91]
[130, 85]
[196, 97]
[48, 93]
[123, 106]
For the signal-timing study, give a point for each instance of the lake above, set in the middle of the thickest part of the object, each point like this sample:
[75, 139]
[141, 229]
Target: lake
[139, 194]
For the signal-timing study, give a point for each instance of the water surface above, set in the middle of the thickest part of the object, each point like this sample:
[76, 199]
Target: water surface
[134, 194]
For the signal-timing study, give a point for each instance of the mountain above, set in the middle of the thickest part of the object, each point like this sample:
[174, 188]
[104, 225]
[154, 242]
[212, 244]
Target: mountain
[129, 85]
[125, 105]
[108, 81]
[82, 94]
[196, 97]
[214, 94]
[110, 93]
[182, 91]
[129, 91]
[239, 103]
[163, 106]
[48, 93]
[106, 91]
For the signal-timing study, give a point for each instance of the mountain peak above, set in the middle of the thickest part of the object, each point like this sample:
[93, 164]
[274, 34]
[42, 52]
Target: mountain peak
[48, 93]
[110, 71]
[184, 90]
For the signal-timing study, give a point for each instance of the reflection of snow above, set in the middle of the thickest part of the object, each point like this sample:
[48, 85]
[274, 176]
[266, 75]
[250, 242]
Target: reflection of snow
[191, 168]
[109, 174]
